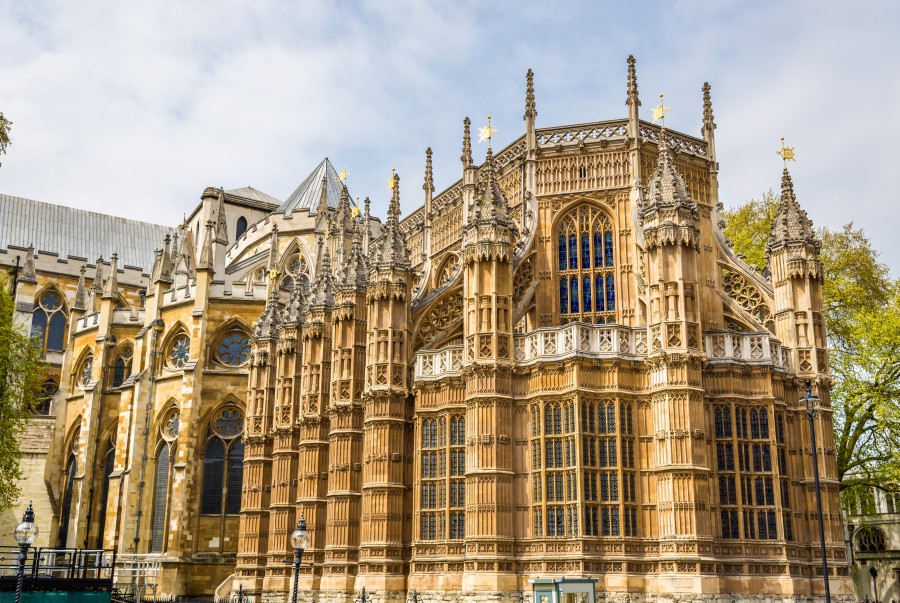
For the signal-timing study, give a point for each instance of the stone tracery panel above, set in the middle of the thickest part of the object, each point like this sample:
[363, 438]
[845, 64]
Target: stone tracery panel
[748, 296]
[438, 318]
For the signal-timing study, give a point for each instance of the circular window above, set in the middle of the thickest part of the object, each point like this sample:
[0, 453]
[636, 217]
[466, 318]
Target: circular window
[171, 424]
[50, 301]
[297, 265]
[87, 367]
[179, 351]
[233, 349]
[228, 423]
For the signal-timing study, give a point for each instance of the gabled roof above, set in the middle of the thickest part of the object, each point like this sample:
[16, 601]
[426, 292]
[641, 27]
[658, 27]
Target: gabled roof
[309, 192]
[68, 231]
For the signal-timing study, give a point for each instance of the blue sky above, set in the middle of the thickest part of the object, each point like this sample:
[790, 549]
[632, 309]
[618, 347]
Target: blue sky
[132, 108]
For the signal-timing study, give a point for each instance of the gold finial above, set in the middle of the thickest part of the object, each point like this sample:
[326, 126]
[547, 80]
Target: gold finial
[327, 232]
[391, 181]
[344, 174]
[787, 153]
[273, 274]
[486, 133]
[659, 113]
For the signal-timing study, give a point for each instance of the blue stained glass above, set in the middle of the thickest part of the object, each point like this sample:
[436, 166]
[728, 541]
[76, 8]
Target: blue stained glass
[234, 349]
[38, 326]
[179, 351]
[573, 251]
[574, 291]
[562, 253]
[609, 248]
[563, 296]
[598, 250]
[585, 251]
[586, 288]
[599, 297]
[610, 293]
[57, 331]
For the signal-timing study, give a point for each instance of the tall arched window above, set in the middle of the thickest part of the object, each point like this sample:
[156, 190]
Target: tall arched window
[240, 227]
[109, 463]
[223, 461]
[122, 366]
[48, 321]
[48, 389]
[71, 466]
[586, 262]
[168, 433]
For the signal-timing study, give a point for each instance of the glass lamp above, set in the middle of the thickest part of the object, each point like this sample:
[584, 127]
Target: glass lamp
[27, 531]
[300, 537]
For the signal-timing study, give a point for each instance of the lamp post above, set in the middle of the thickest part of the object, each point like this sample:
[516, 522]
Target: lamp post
[25, 534]
[811, 402]
[362, 597]
[874, 573]
[300, 542]
[414, 597]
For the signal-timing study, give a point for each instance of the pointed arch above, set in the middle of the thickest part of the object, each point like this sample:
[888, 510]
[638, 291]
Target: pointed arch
[49, 318]
[439, 319]
[229, 345]
[121, 363]
[176, 347]
[70, 462]
[82, 370]
[240, 227]
[448, 271]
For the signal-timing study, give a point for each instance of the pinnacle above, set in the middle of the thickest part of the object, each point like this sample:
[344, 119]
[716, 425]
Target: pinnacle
[791, 223]
[429, 176]
[530, 109]
[466, 157]
[708, 122]
[632, 90]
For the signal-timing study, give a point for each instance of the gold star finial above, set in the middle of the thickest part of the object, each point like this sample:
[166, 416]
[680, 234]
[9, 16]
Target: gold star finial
[354, 212]
[659, 113]
[344, 174]
[486, 133]
[391, 181]
[787, 153]
[273, 274]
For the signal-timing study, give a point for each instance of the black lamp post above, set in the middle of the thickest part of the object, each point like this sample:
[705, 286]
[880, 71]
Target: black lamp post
[362, 597]
[25, 534]
[300, 542]
[414, 597]
[811, 402]
[874, 573]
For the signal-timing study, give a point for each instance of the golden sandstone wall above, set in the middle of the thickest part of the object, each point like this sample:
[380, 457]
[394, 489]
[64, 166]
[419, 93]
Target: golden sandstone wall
[450, 406]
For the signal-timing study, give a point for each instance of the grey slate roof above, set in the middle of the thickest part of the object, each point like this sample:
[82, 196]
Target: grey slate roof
[68, 231]
[248, 192]
[309, 192]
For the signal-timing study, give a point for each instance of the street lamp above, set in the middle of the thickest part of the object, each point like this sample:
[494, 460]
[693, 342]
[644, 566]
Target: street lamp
[363, 597]
[811, 402]
[25, 534]
[874, 573]
[300, 542]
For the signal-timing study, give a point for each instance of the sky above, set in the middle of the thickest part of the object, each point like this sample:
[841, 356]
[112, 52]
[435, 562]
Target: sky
[133, 108]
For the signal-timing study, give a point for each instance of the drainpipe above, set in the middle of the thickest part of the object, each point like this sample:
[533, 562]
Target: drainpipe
[157, 329]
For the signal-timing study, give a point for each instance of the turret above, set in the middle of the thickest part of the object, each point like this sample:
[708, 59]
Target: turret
[796, 273]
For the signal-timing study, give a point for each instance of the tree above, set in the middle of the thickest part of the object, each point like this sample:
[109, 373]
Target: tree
[862, 312]
[21, 373]
[5, 127]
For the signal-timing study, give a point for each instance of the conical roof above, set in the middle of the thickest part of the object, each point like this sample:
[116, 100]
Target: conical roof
[309, 192]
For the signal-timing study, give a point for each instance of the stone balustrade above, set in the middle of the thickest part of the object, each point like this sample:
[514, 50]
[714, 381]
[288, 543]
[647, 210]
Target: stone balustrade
[749, 348]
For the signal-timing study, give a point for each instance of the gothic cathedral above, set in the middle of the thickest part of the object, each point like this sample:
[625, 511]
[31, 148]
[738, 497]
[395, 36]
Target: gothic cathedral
[554, 370]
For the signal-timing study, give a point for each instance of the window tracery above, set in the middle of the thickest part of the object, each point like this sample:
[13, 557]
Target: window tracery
[870, 540]
[223, 460]
[179, 351]
[442, 492]
[168, 433]
[48, 389]
[586, 267]
[232, 348]
[48, 321]
[84, 371]
[122, 366]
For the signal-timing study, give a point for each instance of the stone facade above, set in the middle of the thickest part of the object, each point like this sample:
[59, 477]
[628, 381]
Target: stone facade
[555, 367]
[873, 539]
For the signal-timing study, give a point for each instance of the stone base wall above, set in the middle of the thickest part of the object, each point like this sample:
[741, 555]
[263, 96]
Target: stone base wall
[34, 444]
[513, 597]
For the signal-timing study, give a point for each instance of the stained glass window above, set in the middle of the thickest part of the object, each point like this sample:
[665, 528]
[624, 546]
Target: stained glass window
[67, 503]
[48, 389]
[586, 270]
[240, 227]
[233, 348]
[86, 370]
[122, 367]
[179, 351]
[223, 460]
[160, 500]
[48, 321]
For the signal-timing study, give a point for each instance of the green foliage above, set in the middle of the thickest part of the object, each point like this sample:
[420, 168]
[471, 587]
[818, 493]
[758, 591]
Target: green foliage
[862, 312]
[748, 226]
[5, 127]
[21, 372]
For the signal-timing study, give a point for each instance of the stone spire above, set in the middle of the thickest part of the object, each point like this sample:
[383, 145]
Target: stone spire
[165, 261]
[390, 249]
[667, 213]
[353, 273]
[709, 125]
[666, 187]
[295, 310]
[28, 275]
[322, 290]
[322, 210]
[530, 109]
[221, 224]
[273, 248]
[466, 157]
[428, 186]
[490, 203]
[791, 225]
[111, 287]
[268, 322]
[632, 93]
[97, 286]
[81, 294]
[367, 233]
[206, 254]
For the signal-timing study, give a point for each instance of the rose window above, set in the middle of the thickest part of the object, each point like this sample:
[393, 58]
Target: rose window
[179, 351]
[233, 349]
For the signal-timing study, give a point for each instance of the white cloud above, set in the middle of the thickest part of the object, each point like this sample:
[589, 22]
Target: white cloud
[133, 108]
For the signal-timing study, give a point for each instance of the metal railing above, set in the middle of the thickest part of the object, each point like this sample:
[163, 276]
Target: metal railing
[58, 569]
